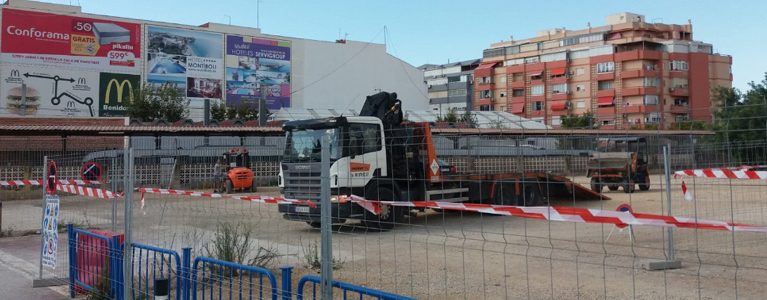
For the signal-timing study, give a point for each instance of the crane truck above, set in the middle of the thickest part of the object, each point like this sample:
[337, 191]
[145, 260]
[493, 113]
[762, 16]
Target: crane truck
[379, 157]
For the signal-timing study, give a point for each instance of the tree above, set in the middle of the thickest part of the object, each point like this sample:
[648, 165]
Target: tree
[218, 112]
[584, 121]
[161, 103]
[741, 121]
[469, 118]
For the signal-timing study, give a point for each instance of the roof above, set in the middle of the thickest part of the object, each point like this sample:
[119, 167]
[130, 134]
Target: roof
[427, 67]
[485, 119]
[52, 130]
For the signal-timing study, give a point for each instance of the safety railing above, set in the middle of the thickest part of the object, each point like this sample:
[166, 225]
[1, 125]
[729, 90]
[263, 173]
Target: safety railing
[162, 266]
[223, 280]
[346, 289]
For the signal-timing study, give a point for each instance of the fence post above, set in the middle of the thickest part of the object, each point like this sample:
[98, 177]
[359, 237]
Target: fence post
[128, 199]
[115, 272]
[44, 178]
[286, 282]
[670, 262]
[72, 241]
[186, 274]
[326, 265]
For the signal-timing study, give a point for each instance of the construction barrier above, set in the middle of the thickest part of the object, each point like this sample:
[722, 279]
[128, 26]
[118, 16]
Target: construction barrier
[723, 173]
[39, 182]
[551, 213]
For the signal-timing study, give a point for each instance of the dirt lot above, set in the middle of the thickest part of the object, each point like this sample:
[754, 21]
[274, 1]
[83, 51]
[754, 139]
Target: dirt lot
[456, 255]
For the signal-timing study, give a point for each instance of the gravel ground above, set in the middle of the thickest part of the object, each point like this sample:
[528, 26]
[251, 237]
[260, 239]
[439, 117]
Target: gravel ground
[456, 255]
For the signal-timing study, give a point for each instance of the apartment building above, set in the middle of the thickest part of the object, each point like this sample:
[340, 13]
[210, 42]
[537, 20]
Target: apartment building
[628, 73]
[450, 85]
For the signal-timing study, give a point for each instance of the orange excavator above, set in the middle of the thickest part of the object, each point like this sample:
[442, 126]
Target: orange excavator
[237, 175]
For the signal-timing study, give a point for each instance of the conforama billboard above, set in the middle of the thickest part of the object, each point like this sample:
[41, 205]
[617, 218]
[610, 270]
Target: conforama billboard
[61, 65]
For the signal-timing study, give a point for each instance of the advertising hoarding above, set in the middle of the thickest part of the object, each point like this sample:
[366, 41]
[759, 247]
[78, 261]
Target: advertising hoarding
[189, 60]
[255, 66]
[62, 40]
[52, 64]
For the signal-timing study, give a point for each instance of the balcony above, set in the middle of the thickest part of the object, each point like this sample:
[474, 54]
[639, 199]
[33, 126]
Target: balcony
[639, 109]
[558, 79]
[485, 86]
[679, 109]
[560, 96]
[517, 99]
[605, 111]
[606, 76]
[678, 74]
[606, 93]
[679, 92]
[637, 91]
[638, 73]
[638, 54]
[517, 84]
[536, 113]
[484, 101]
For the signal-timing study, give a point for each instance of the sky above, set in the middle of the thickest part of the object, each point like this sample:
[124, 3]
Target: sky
[436, 32]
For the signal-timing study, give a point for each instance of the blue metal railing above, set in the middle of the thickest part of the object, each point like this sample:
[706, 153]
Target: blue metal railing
[91, 258]
[346, 289]
[158, 262]
[219, 271]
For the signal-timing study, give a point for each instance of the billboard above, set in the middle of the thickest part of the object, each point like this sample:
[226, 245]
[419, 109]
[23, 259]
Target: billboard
[192, 61]
[69, 41]
[52, 64]
[115, 90]
[39, 90]
[257, 67]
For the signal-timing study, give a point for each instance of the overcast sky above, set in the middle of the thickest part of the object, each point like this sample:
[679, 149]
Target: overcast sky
[422, 32]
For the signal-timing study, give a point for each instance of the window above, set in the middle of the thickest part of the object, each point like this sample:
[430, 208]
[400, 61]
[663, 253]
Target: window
[649, 67]
[681, 101]
[517, 77]
[485, 80]
[681, 118]
[580, 88]
[559, 88]
[607, 122]
[484, 107]
[678, 65]
[604, 85]
[536, 90]
[651, 81]
[538, 106]
[538, 76]
[517, 92]
[652, 118]
[679, 83]
[532, 60]
[650, 100]
[453, 78]
[579, 71]
[605, 67]
[580, 104]
[364, 138]
[486, 94]
[456, 93]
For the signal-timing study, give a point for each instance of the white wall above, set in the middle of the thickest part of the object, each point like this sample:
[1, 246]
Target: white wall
[340, 76]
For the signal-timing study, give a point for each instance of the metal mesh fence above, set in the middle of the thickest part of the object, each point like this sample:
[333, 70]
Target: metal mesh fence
[432, 251]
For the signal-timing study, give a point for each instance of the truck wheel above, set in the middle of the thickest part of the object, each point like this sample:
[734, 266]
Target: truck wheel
[531, 196]
[628, 187]
[389, 214]
[595, 186]
[505, 195]
[645, 185]
[613, 187]
[253, 185]
[314, 224]
[229, 187]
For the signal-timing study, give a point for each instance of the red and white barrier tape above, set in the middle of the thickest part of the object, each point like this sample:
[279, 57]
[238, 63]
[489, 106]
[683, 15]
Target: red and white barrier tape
[723, 173]
[551, 213]
[87, 192]
[568, 214]
[38, 182]
[251, 198]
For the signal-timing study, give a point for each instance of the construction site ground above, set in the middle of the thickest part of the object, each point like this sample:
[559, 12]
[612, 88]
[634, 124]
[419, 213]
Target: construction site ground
[457, 255]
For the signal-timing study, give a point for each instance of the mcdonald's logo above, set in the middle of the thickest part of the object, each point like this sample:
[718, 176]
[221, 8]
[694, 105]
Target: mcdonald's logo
[81, 81]
[119, 88]
[15, 73]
